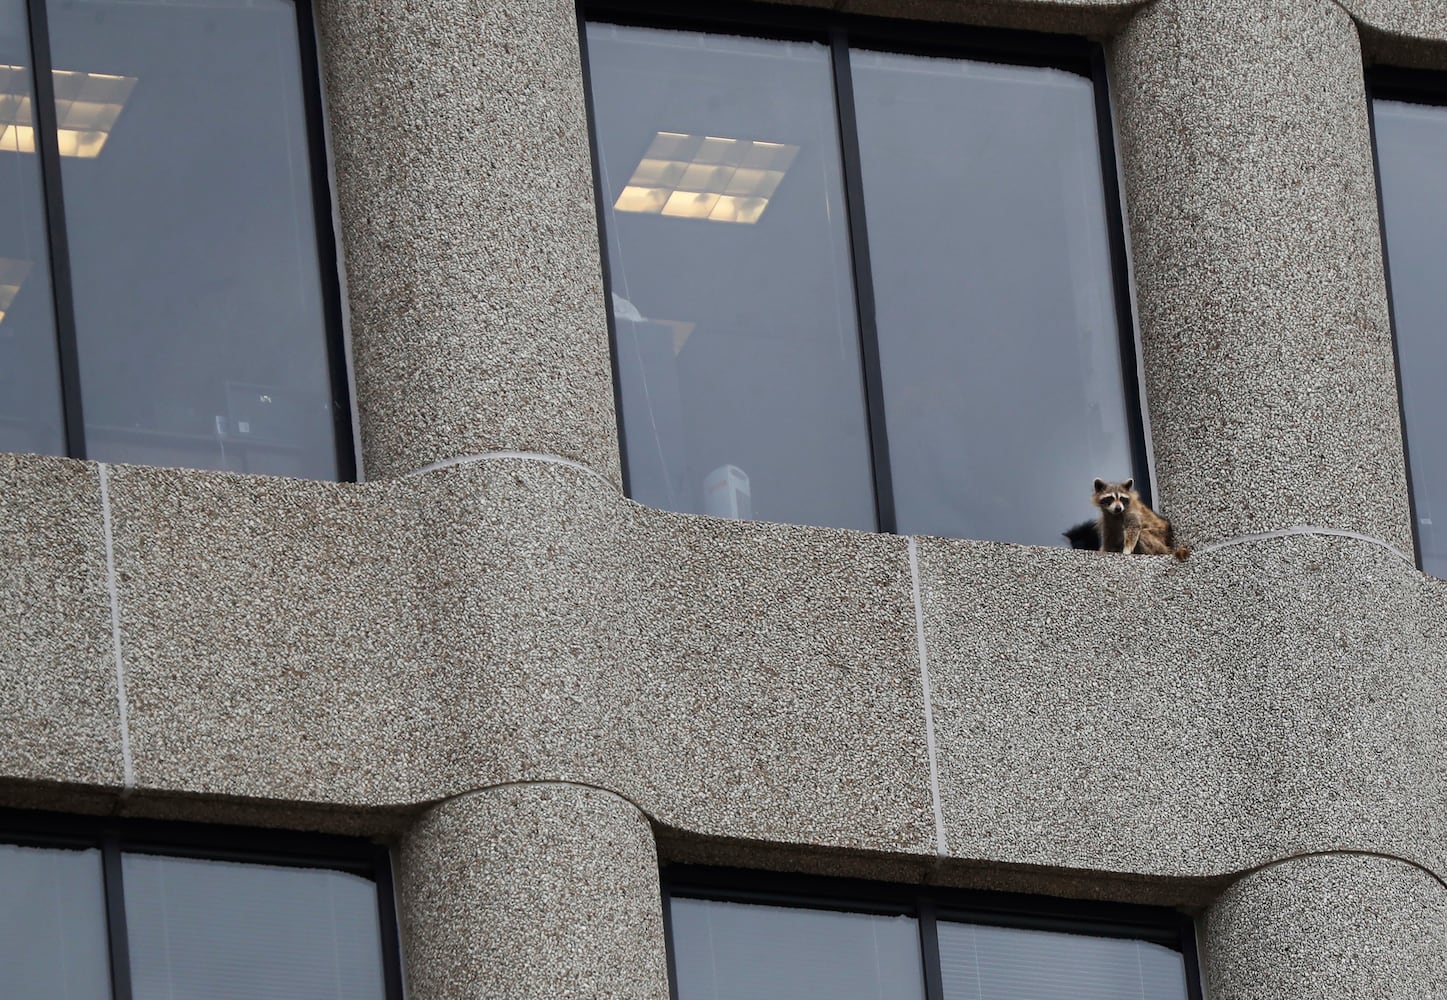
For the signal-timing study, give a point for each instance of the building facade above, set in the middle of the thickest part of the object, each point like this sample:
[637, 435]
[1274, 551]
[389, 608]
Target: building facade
[538, 691]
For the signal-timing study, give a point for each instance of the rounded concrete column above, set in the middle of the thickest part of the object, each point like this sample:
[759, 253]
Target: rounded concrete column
[542, 891]
[1268, 361]
[465, 186]
[1328, 927]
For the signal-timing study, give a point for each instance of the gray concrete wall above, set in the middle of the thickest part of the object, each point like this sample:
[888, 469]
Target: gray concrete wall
[532, 891]
[1349, 926]
[299, 653]
[464, 181]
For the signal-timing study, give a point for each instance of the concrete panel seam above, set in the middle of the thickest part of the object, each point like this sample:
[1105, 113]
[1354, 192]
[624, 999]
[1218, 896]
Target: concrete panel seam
[128, 767]
[1307, 529]
[1343, 853]
[527, 456]
[941, 844]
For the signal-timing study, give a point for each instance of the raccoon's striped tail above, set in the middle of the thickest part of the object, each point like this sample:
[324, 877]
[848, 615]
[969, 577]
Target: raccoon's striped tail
[1181, 552]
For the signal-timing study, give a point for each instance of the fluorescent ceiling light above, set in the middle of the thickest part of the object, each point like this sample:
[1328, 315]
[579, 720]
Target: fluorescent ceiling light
[86, 108]
[12, 276]
[706, 177]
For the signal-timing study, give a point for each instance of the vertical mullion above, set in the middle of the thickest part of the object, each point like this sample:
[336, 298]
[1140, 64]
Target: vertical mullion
[1392, 321]
[600, 207]
[929, 946]
[388, 924]
[863, 280]
[670, 959]
[328, 250]
[1120, 273]
[120, 954]
[47, 147]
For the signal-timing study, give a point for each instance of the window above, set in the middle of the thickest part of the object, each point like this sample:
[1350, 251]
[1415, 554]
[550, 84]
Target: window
[168, 285]
[862, 274]
[734, 935]
[1409, 112]
[122, 910]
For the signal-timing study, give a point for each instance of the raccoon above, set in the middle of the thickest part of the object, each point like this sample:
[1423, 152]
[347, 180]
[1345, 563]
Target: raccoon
[1127, 524]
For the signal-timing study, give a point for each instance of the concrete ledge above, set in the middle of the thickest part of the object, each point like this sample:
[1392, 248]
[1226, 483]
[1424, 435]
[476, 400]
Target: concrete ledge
[59, 710]
[325, 648]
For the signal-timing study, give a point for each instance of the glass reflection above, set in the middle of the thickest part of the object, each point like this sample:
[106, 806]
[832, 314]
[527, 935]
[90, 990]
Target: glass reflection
[30, 408]
[198, 292]
[1411, 149]
[52, 925]
[742, 951]
[990, 252]
[1006, 963]
[216, 930]
[737, 348]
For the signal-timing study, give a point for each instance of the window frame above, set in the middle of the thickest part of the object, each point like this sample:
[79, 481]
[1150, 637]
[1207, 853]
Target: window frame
[114, 836]
[928, 905]
[1414, 86]
[329, 260]
[842, 32]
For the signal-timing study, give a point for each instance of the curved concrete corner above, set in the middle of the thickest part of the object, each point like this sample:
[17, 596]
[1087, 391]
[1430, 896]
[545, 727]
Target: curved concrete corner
[465, 185]
[533, 891]
[383, 646]
[519, 620]
[1247, 164]
[1335, 927]
[59, 713]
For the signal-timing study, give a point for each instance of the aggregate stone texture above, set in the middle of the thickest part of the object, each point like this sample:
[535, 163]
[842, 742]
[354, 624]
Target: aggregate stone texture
[536, 891]
[59, 713]
[1333, 927]
[519, 620]
[464, 181]
[1247, 165]
[1132, 714]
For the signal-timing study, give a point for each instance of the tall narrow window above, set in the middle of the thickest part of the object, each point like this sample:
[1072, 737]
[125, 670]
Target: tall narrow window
[860, 281]
[1410, 118]
[196, 307]
[31, 417]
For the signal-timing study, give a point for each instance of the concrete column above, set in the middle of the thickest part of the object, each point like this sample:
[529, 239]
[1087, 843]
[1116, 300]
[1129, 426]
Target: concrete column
[463, 173]
[1328, 927]
[532, 891]
[1262, 304]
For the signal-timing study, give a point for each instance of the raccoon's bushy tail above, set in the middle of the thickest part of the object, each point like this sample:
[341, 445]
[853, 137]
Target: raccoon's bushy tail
[1181, 552]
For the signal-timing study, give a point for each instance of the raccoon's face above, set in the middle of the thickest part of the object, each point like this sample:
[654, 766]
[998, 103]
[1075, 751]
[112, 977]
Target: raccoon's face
[1114, 498]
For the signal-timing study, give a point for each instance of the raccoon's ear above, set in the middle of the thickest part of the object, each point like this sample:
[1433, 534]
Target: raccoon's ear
[1127, 484]
[1099, 485]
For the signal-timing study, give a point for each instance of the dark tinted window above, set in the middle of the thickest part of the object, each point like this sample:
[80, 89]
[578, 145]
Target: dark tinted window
[1411, 151]
[736, 935]
[218, 930]
[861, 288]
[738, 354]
[52, 925]
[30, 410]
[204, 320]
[980, 962]
[998, 335]
[743, 951]
[163, 910]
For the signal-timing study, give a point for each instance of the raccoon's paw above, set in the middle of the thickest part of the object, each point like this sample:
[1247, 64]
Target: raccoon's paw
[1182, 553]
